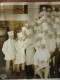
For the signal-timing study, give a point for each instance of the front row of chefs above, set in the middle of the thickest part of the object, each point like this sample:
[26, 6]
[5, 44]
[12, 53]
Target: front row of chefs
[30, 49]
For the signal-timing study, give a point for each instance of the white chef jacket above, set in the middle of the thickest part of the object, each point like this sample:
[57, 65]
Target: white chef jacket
[20, 52]
[41, 55]
[9, 49]
[29, 51]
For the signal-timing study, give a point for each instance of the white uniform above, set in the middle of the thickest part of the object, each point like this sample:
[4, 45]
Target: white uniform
[20, 52]
[9, 49]
[42, 13]
[41, 55]
[29, 51]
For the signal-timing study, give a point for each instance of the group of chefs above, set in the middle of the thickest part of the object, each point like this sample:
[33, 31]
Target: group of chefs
[37, 44]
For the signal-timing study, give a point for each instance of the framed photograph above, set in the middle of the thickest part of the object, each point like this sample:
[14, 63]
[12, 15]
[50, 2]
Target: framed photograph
[29, 39]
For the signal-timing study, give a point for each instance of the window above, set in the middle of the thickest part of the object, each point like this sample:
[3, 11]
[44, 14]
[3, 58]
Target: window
[20, 9]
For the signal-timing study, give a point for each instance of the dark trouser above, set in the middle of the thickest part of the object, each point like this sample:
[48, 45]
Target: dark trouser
[51, 70]
[29, 71]
[54, 71]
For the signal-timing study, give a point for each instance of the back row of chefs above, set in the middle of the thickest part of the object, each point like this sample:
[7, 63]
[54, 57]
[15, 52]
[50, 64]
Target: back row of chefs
[35, 44]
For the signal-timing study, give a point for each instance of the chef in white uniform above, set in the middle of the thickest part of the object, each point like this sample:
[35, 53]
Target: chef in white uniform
[29, 47]
[43, 12]
[41, 59]
[20, 51]
[53, 13]
[9, 50]
[30, 51]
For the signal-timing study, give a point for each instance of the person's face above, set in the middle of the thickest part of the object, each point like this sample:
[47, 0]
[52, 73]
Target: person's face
[11, 37]
[44, 9]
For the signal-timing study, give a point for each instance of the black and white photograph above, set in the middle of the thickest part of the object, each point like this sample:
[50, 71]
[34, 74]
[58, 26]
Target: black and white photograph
[30, 40]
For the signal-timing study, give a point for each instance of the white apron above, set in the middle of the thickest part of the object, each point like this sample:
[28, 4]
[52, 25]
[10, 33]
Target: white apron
[20, 52]
[41, 55]
[29, 51]
[9, 49]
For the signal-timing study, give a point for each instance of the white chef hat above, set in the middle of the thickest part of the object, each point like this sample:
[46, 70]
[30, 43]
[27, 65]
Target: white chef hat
[20, 34]
[11, 33]
[57, 19]
[58, 32]
[43, 41]
[24, 28]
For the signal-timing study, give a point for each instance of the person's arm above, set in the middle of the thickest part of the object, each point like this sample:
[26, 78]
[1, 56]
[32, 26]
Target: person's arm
[4, 48]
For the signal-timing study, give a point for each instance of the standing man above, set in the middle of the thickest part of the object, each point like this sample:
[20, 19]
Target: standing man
[9, 50]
